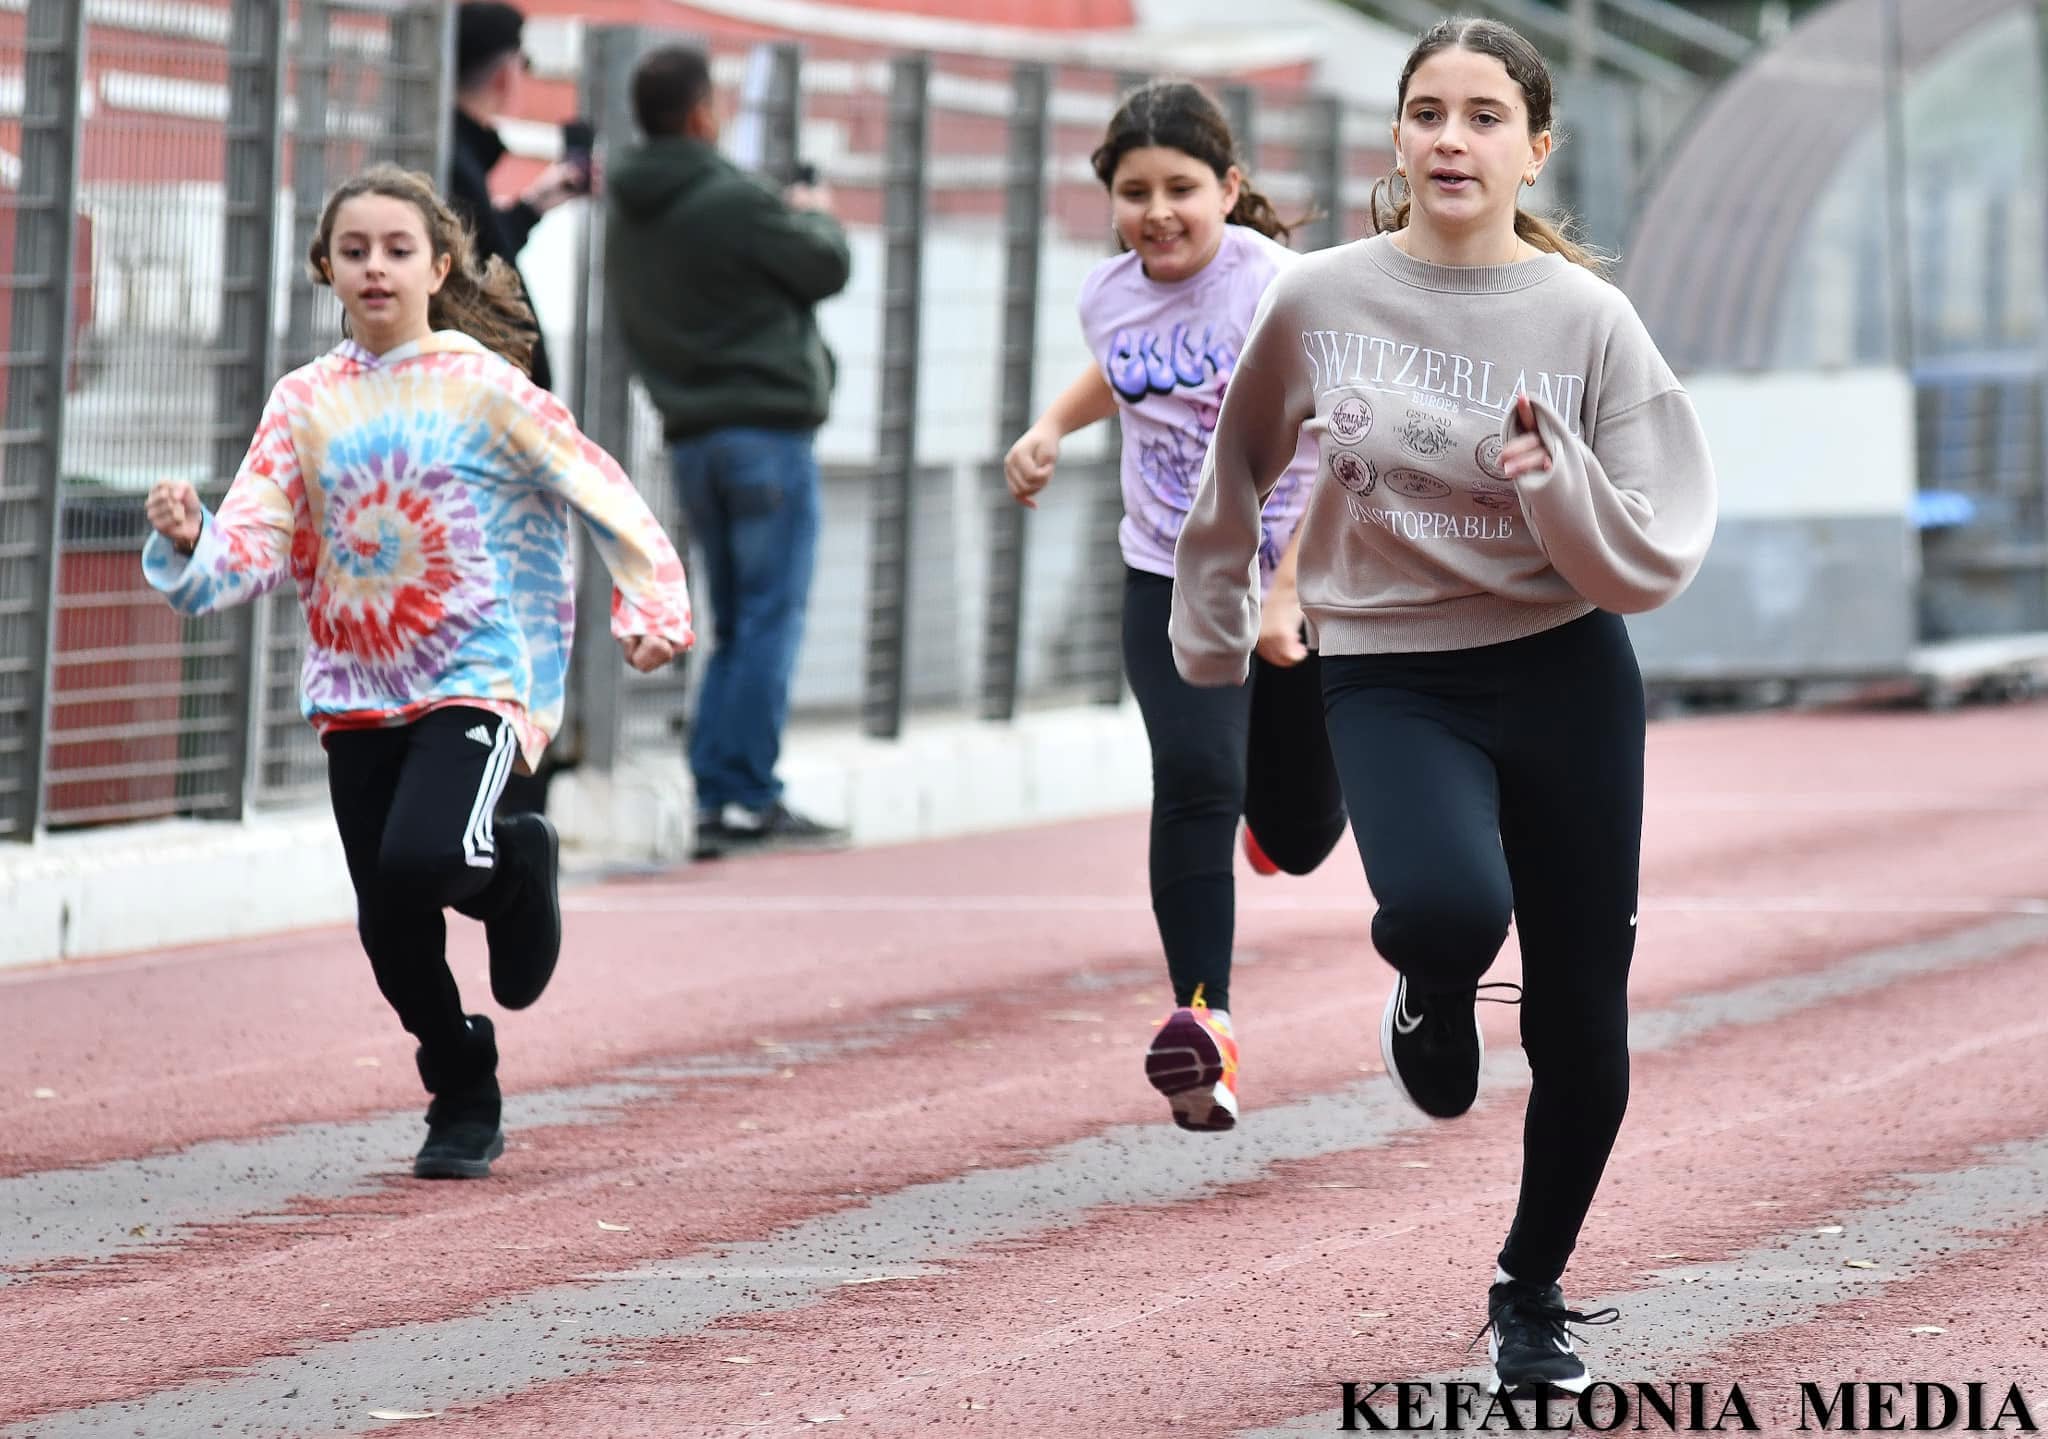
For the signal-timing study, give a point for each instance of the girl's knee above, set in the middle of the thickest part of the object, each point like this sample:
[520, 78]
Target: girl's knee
[1443, 939]
[414, 873]
[1198, 775]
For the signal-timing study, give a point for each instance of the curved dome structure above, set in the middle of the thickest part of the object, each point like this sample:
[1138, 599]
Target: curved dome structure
[1765, 241]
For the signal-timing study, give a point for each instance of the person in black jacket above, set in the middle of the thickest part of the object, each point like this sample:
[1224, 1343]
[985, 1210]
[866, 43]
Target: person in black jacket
[725, 275]
[489, 69]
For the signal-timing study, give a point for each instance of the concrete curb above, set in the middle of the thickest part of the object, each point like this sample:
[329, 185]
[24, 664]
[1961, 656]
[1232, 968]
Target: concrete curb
[172, 882]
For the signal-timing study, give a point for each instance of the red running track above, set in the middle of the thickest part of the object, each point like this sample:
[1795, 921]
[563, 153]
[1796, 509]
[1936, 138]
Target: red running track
[861, 1144]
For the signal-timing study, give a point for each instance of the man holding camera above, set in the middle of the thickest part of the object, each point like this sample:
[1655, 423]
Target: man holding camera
[720, 277]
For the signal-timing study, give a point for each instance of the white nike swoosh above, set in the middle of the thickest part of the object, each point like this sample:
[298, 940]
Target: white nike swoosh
[1631, 921]
[1404, 1022]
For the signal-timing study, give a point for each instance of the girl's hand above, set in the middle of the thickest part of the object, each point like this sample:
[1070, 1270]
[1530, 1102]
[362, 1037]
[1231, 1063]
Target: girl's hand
[1028, 466]
[173, 508]
[1525, 454]
[647, 653]
[1280, 641]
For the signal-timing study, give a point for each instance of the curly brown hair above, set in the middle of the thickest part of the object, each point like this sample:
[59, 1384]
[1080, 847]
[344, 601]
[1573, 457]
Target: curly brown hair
[485, 302]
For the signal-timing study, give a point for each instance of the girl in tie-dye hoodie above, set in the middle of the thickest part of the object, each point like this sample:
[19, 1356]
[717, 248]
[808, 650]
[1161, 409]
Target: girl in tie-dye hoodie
[415, 486]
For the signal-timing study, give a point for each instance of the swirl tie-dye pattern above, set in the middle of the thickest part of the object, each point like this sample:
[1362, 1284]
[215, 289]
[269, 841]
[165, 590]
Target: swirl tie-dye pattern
[420, 504]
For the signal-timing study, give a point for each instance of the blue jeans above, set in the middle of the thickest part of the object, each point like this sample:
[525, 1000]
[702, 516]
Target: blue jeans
[751, 496]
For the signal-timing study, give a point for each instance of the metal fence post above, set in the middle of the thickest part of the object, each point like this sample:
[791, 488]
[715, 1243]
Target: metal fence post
[781, 113]
[602, 398]
[1322, 151]
[1023, 229]
[423, 87]
[903, 205]
[1240, 108]
[309, 172]
[254, 154]
[31, 486]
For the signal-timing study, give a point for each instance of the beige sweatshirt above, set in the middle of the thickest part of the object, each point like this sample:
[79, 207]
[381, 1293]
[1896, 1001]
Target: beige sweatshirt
[1406, 372]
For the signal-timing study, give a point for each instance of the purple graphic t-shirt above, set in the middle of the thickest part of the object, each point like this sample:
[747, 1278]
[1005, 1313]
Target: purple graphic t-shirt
[1168, 350]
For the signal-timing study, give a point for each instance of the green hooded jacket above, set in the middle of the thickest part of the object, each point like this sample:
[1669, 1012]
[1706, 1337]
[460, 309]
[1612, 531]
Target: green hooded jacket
[714, 281]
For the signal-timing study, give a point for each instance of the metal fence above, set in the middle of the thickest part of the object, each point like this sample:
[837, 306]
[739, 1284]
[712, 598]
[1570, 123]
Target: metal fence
[172, 163]
[974, 216]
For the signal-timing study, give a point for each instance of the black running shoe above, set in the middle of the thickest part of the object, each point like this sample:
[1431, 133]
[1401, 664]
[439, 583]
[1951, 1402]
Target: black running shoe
[525, 932]
[1432, 1047]
[776, 827]
[1528, 1338]
[463, 1133]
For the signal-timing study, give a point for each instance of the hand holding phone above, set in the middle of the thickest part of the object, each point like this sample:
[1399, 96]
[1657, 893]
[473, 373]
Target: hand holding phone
[579, 140]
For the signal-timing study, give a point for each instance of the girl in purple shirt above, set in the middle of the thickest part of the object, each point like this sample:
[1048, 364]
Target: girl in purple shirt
[1165, 320]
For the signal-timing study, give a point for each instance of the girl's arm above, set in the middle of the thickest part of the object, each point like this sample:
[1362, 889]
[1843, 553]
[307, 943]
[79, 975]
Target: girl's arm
[1627, 520]
[1029, 465]
[1215, 621]
[650, 599]
[1280, 641]
[203, 562]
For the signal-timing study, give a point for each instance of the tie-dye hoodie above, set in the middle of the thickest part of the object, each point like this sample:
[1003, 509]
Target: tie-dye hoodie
[420, 502]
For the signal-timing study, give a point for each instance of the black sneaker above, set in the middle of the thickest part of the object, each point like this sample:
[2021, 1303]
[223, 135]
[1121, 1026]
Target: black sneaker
[1529, 1342]
[1432, 1048]
[776, 827]
[525, 934]
[463, 1133]
[710, 839]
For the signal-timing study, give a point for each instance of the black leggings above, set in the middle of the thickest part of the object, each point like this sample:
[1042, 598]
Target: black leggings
[413, 804]
[1259, 750]
[1510, 779]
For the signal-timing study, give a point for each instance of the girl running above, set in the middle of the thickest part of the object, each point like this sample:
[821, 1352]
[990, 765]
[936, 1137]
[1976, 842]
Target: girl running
[1507, 465]
[416, 487]
[1165, 320]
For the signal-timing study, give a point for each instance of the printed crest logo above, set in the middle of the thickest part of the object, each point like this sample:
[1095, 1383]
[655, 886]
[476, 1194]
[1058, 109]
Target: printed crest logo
[1488, 456]
[1425, 436]
[1491, 497]
[1354, 472]
[1416, 485]
[1351, 421]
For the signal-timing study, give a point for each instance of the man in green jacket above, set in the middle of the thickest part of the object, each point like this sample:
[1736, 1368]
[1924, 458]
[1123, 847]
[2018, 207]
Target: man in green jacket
[716, 278]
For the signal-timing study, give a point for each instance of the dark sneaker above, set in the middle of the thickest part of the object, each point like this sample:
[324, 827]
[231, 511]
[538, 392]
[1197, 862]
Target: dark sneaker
[1432, 1048]
[776, 827]
[463, 1133]
[1529, 1339]
[525, 935]
[1432, 1045]
[710, 839]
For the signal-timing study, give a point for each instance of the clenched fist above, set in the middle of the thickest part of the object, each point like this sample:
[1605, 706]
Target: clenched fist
[1029, 465]
[646, 653]
[173, 508]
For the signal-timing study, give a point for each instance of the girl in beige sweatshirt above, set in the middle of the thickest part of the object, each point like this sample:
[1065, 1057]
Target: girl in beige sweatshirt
[1506, 466]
